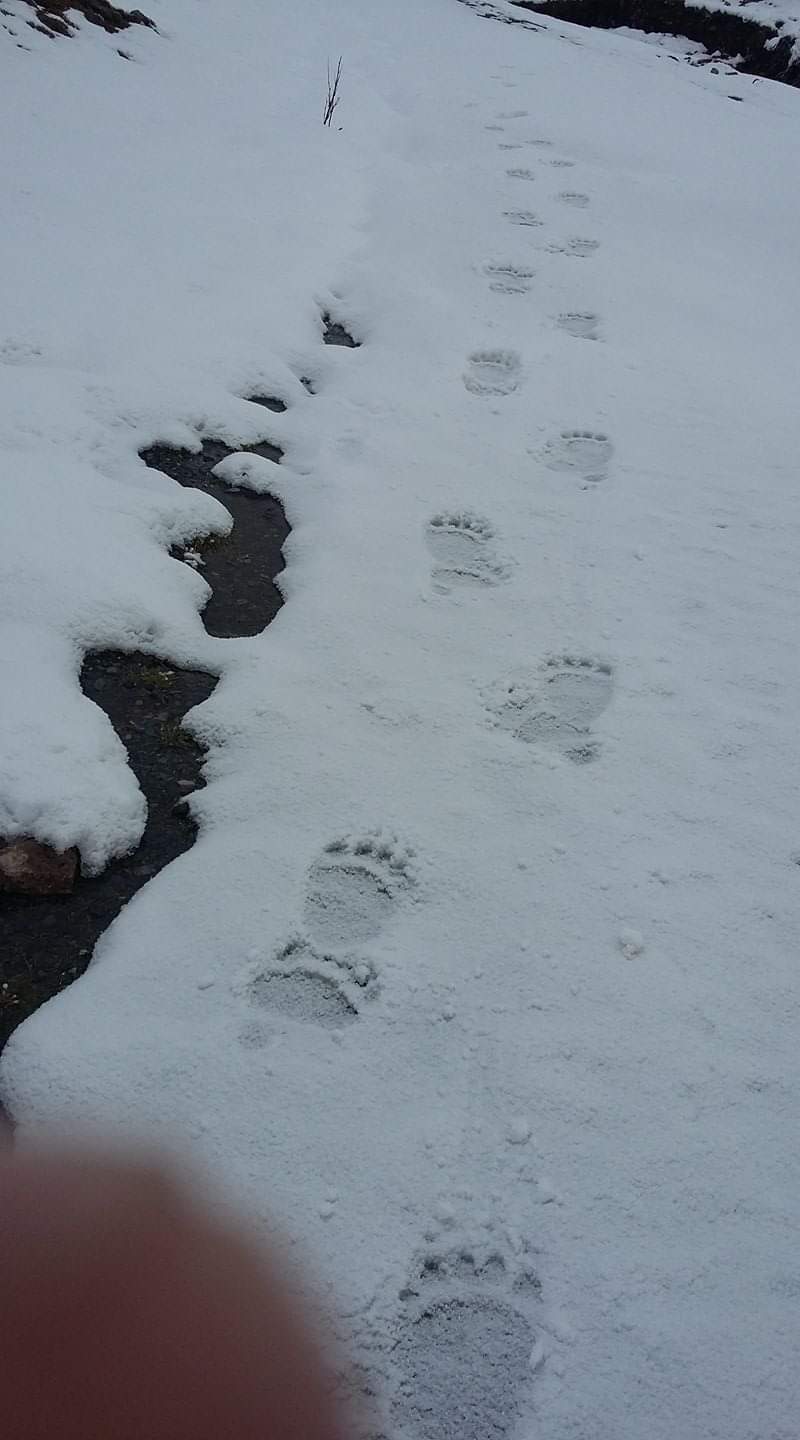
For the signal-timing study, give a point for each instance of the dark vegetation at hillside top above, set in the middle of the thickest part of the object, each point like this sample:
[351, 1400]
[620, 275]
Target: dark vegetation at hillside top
[748, 45]
[52, 16]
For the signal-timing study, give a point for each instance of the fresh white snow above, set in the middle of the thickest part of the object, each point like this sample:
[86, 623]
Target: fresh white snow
[479, 982]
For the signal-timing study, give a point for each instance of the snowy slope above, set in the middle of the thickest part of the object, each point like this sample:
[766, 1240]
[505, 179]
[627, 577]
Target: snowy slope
[534, 681]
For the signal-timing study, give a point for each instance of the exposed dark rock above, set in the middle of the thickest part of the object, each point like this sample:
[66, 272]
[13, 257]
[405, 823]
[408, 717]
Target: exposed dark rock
[52, 16]
[27, 867]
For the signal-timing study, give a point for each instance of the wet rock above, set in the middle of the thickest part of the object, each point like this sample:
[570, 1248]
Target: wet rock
[27, 867]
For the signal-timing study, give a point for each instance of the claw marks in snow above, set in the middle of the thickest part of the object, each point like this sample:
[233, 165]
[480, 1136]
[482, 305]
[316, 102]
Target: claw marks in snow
[467, 1350]
[493, 372]
[508, 279]
[577, 245]
[523, 217]
[560, 708]
[354, 888]
[535, 143]
[462, 546]
[574, 198]
[583, 324]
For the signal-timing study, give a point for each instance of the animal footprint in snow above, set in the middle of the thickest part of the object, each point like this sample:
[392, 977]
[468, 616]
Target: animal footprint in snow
[523, 217]
[466, 1348]
[581, 323]
[576, 245]
[562, 164]
[463, 552]
[312, 988]
[519, 172]
[493, 372]
[560, 710]
[509, 279]
[583, 451]
[354, 888]
[18, 352]
[574, 198]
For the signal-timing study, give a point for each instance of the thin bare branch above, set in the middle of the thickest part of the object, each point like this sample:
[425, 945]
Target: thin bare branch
[333, 96]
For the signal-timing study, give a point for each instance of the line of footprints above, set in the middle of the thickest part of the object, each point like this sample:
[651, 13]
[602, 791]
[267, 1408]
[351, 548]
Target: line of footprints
[468, 1344]
[463, 1338]
[459, 1346]
[458, 1349]
[558, 706]
[499, 372]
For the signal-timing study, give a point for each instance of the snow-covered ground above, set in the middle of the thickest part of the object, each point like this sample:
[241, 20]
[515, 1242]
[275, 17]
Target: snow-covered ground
[673, 44]
[487, 946]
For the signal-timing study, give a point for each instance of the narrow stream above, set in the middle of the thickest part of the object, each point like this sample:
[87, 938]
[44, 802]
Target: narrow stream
[240, 567]
[48, 940]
